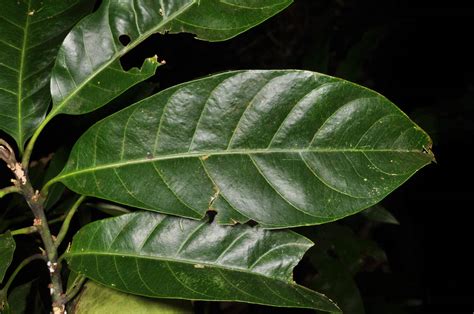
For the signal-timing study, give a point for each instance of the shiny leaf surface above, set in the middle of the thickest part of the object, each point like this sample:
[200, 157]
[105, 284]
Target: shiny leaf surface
[31, 33]
[88, 73]
[283, 148]
[7, 248]
[155, 255]
[97, 299]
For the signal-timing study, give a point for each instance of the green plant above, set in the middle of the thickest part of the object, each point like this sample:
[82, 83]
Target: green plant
[278, 148]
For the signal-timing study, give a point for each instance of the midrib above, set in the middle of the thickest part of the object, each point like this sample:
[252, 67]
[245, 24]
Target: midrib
[20, 77]
[57, 109]
[207, 154]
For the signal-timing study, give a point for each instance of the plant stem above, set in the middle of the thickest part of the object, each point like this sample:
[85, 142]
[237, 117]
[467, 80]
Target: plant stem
[25, 262]
[65, 226]
[8, 190]
[36, 203]
[56, 220]
[76, 287]
[31, 143]
[26, 230]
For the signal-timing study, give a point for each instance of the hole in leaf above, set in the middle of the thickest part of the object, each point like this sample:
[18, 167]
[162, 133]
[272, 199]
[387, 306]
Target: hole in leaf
[124, 39]
[252, 223]
[211, 214]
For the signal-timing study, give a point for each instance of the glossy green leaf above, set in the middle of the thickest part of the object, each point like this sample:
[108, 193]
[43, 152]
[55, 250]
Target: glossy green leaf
[97, 299]
[155, 255]
[88, 73]
[283, 148]
[7, 248]
[31, 33]
[379, 214]
[214, 20]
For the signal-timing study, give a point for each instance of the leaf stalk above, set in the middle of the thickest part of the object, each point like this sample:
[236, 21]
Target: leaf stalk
[67, 221]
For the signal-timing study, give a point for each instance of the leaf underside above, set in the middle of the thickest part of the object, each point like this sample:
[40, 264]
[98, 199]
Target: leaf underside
[162, 256]
[31, 33]
[88, 73]
[283, 148]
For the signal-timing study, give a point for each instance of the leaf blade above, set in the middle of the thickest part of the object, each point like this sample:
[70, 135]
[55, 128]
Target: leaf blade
[302, 148]
[196, 260]
[88, 73]
[26, 59]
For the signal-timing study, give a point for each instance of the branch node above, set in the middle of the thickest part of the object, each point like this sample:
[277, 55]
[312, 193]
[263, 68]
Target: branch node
[36, 196]
[37, 222]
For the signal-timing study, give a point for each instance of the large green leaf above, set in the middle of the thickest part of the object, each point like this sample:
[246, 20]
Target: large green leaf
[284, 148]
[31, 33]
[88, 73]
[7, 248]
[156, 255]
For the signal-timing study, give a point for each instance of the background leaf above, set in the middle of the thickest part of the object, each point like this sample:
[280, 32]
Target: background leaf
[378, 213]
[98, 299]
[283, 148]
[162, 256]
[31, 33]
[7, 248]
[88, 73]
[336, 282]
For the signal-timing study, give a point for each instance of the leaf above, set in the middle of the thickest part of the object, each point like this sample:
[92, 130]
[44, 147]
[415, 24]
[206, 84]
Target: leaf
[214, 20]
[283, 148]
[88, 74]
[18, 298]
[353, 252]
[379, 214]
[336, 282]
[162, 256]
[31, 33]
[57, 163]
[97, 299]
[7, 248]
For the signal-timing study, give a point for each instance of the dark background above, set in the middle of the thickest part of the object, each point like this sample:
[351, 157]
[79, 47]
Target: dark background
[421, 58]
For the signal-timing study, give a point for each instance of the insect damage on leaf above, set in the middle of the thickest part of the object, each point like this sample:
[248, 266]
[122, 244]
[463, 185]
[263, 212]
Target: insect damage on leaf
[213, 198]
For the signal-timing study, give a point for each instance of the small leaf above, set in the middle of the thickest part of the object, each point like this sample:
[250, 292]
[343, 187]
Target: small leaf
[31, 33]
[162, 256]
[88, 73]
[97, 299]
[379, 214]
[283, 148]
[7, 248]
